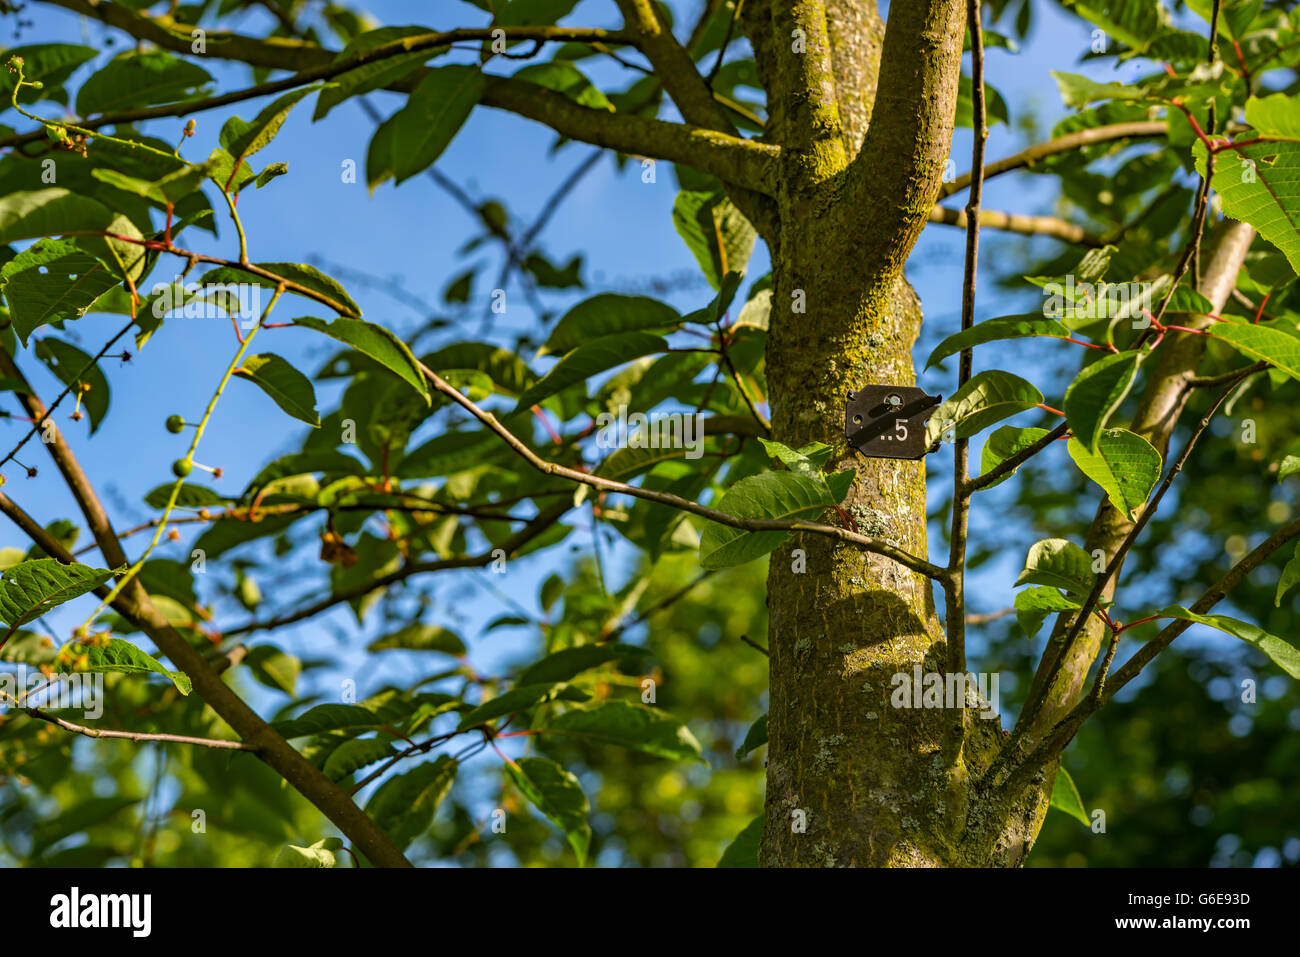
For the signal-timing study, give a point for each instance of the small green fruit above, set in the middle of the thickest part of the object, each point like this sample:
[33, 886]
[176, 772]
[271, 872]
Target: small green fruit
[174, 424]
[181, 468]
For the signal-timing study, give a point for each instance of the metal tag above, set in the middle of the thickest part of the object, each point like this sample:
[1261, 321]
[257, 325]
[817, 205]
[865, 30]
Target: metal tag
[888, 421]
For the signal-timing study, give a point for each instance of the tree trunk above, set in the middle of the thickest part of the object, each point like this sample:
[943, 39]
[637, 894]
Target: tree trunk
[851, 779]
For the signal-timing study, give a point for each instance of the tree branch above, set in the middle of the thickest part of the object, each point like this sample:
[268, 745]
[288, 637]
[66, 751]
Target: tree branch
[1062, 144]
[894, 180]
[734, 160]
[1051, 226]
[1013, 462]
[731, 158]
[509, 548]
[1065, 729]
[955, 596]
[674, 67]
[864, 542]
[1155, 418]
[134, 605]
[137, 735]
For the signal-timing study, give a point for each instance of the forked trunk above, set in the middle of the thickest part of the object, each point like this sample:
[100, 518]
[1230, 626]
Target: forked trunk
[853, 780]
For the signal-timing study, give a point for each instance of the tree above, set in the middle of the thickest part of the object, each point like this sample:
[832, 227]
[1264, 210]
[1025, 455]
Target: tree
[878, 751]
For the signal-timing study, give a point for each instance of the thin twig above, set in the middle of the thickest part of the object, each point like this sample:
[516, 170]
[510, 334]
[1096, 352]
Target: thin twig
[138, 735]
[955, 596]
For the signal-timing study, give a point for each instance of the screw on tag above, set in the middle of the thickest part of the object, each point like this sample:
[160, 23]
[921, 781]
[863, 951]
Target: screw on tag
[888, 421]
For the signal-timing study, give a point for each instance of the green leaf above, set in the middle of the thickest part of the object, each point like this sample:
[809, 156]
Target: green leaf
[755, 738]
[49, 64]
[987, 397]
[1096, 392]
[563, 77]
[1241, 15]
[1277, 115]
[597, 356]
[37, 214]
[1290, 578]
[1009, 327]
[1125, 465]
[223, 535]
[1033, 605]
[558, 795]
[519, 698]
[271, 172]
[241, 139]
[1282, 653]
[380, 164]
[1134, 23]
[433, 115]
[743, 851]
[769, 495]
[378, 343]
[404, 805]
[527, 13]
[607, 314]
[76, 369]
[1003, 443]
[570, 662]
[173, 187]
[302, 463]
[32, 588]
[1060, 564]
[629, 725]
[717, 234]
[82, 815]
[354, 755]
[320, 854]
[1270, 343]
[274, 668]
[377, 74]
[510, 375]
[29, 648]
[1079, 91]
[118, 656]
[421, 638]
[809, 460]
[457, 451]
[995, 106]
[309, 277]
[52, 280]
[330, 717]
[1065, 797]
[1260, 183]
[291, 390]
[173, 579]
[223, 171]
[140, 78]
[192, 495]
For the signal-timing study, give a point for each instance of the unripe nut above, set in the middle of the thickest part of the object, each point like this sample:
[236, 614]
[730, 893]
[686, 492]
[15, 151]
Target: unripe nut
[175, 424]
[181, 468]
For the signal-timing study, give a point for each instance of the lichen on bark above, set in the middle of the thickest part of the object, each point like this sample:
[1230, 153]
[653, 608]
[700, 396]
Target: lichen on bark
[852, 780]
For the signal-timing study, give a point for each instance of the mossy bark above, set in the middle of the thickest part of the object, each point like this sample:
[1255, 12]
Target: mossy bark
[852, 780]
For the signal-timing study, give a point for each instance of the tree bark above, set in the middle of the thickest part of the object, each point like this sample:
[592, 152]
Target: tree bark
[851, 779]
